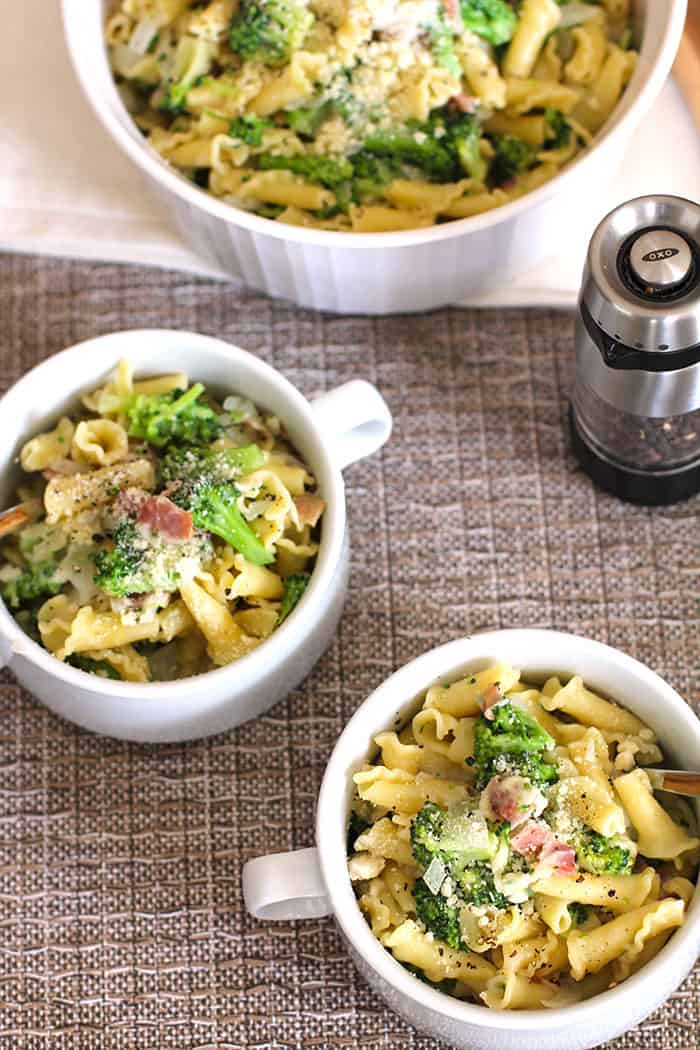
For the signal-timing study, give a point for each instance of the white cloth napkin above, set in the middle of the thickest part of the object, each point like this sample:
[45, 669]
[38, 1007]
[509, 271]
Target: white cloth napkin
[66, 189]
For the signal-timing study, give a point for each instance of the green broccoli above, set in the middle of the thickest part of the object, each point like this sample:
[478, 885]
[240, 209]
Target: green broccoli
[578, 913]
[99, 667]
[325, 170]
[142, 562]
[371, 173]
[601, 855]
[356, 826]
[494, 20]
[193, 60]
[34, 582]
[214, 508]
[511, 157]
[438, 916]
[443, 148]
[249, 129]
[294, 587]
[512, 743]
[176, 418]
[477, 887]
[306, 120]
[559, 127]
[465, 135]
[269, 30]
[181, 464]
[442, 43]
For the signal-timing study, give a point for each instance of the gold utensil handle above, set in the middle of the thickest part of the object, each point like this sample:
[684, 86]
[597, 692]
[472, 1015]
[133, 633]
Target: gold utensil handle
[17, 516]
[677, 781]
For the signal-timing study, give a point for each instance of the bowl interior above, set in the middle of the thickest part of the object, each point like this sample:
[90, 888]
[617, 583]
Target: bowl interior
[538, 654]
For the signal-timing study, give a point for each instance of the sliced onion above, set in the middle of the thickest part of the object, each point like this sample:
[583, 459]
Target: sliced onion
[143, 33]
[435, 875]
[574, 13]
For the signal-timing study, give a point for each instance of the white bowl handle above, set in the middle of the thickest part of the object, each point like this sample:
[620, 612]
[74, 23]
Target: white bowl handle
[355, 419]
[285, 886]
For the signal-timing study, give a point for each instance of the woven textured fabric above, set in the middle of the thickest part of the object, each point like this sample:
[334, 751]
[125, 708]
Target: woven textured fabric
[123, 926]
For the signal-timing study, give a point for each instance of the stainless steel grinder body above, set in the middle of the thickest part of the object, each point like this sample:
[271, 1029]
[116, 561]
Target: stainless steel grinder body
[635, 411]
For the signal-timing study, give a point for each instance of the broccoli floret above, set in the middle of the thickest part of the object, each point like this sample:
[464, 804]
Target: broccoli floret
[294, 587]
[443, 46]
[356, 826]
[511, 157]
[494, 20]
[176, 418]
[578, 913]
[439, 917]
[249, 129]
[477, 887]
[308, 119]
[269, 30]
[142, 562]
[443, 149]
[208, 464]
[328, 172]
[601, 855]
[512, 743]
[214, 508]
[560, 128]
[466, 136]
[34, 582]
[99, 667]
[371, 173]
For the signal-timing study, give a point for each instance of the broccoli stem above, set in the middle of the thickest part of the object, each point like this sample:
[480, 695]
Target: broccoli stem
[224, 519]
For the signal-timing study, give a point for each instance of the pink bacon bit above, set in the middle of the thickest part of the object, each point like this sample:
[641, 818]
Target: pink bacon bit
[465, 103]
[163, 516]
[511, 798]
[309, 508]
[535, 840]
[491, 696]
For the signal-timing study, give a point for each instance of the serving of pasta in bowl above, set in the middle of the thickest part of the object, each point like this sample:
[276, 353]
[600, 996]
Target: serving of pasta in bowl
[308, 146]
[181, 556]
[492, 847]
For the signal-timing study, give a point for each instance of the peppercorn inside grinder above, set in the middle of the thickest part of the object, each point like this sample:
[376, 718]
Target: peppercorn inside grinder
[635, 409]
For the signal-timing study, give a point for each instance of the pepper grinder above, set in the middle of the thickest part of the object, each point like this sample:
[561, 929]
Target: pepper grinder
[635, 409]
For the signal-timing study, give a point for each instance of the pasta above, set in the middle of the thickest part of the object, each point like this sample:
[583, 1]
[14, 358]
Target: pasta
[178, 532]
[369, 115]
[497, 847]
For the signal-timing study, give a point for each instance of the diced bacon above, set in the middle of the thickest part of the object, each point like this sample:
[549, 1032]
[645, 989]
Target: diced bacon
[162, 515]
[535, 840]
[489, 698]
[309, 508]
[511, 798]
[465, 103]
[129, 502]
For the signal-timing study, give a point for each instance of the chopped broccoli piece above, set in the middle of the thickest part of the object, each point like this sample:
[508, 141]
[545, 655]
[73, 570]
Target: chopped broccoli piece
[207, 464]
[294, 587]
[494, 20]
[328, 172]
[601, 855]
[356, 826]
[477, 887]
[176, 418]
[560, 128]
[34, 582]
[512, 743]
[249, 129]
[578, 913]
[175, 99]
[269, 30]
[99, 667]
[214, 508]
[306, 120]
[443, 149]
[371, 173]
[142, 562]
[511, 157]
[466, 137]
[439, 917]
[443, 46]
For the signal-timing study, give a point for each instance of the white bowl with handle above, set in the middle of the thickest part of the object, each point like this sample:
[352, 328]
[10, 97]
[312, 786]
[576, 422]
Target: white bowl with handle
[336, 429]
[314, 882]
[382, 273]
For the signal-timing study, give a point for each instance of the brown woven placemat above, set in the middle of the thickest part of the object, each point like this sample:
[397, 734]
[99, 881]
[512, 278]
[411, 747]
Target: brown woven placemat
[122, 918]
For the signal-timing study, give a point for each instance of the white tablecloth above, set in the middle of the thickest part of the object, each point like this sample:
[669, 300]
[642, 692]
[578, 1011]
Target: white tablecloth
[65, 188]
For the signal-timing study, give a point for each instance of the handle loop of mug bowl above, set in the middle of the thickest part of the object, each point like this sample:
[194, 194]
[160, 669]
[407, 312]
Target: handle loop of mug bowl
[355, 418]
[285, 886]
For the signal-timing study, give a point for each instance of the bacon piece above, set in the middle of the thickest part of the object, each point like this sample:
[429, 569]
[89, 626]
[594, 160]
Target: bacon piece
[465, 103]
[162, 515]
[511, 798]
[489, 698]
[309, 508]
[535, 840]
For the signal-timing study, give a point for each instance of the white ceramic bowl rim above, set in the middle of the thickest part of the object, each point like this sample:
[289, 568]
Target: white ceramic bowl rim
[396, 692]
[114, 346]
[138, 149]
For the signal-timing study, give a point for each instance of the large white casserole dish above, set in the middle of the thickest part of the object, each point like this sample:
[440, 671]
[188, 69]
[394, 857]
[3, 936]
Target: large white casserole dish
[383, 272]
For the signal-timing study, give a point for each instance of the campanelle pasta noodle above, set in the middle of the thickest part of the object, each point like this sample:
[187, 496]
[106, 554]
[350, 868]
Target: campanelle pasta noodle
[178, 532]
[499, 852]
[369, 115]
